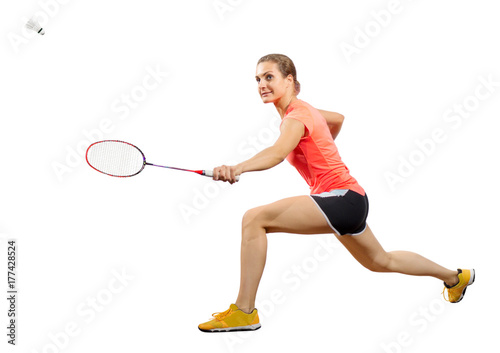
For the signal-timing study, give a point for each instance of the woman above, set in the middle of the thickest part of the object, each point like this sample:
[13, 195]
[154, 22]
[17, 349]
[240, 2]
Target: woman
[337, 202]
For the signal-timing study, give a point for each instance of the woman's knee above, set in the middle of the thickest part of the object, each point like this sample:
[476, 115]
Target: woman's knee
[379, 263]
[253, 218]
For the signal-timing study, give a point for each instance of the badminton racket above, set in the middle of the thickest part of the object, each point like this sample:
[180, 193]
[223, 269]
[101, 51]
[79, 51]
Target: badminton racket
[122, 159]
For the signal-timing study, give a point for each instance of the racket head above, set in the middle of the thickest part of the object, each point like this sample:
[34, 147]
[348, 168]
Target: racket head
[115, 158]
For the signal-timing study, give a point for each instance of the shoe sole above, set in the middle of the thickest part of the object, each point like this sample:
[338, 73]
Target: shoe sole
[233, 329]
[471, 280]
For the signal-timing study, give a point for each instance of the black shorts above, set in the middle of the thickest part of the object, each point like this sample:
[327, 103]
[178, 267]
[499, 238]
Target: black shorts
[345, 210]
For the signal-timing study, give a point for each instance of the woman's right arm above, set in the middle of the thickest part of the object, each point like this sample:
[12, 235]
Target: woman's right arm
[334, 121]
[292, 131]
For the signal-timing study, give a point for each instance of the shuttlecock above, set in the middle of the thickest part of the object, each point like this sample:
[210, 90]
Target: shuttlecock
[35, 26]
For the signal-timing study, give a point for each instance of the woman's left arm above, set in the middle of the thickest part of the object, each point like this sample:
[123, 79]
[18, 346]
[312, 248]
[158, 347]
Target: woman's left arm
[334, 121]
[291, 132]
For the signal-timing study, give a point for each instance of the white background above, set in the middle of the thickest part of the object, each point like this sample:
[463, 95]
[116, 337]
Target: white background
[76, 231]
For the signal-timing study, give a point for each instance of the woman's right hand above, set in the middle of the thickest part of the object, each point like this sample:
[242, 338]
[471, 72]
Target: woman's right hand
[227, 173]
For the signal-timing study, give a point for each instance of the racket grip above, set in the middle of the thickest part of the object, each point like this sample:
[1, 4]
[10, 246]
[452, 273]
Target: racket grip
[210, 174]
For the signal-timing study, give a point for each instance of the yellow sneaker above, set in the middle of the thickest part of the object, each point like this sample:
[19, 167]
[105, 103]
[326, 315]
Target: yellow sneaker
[456, 293]
[233, 319]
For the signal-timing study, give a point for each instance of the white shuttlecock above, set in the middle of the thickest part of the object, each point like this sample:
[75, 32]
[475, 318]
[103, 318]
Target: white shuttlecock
[35, 26]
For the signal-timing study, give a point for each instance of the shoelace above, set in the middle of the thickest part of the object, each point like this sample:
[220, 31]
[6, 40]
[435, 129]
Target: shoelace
[447, 299]
[222, 315]
[445, 288]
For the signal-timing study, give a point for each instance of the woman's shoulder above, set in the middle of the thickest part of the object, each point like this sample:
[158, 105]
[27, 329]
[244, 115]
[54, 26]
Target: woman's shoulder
[299, 107]
[302, 108]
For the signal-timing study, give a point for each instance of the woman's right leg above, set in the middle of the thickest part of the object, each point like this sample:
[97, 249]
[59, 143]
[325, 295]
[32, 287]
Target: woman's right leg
[298, 215]
[367, 250]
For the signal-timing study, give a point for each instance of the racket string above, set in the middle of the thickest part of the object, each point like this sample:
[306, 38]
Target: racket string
[115, 158]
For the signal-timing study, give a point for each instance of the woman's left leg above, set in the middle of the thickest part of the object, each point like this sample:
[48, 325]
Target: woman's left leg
[367, 250]
[298, 215]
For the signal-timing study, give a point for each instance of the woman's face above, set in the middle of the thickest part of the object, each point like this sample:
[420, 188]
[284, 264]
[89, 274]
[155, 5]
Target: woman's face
[271, 84]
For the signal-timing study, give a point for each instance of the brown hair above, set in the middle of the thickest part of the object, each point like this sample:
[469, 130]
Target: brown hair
[285, 65]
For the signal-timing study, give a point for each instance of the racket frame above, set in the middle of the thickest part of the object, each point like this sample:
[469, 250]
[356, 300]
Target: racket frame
[207, 173]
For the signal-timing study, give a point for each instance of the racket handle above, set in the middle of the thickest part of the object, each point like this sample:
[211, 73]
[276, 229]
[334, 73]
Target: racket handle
[210, 174]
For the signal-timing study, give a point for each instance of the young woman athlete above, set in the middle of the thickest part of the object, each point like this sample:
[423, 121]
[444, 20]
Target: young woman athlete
[337, 202]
